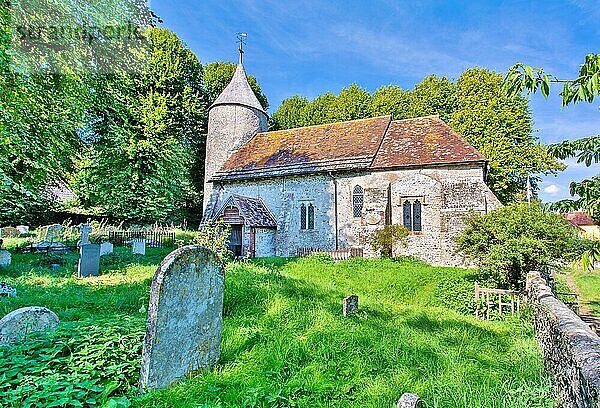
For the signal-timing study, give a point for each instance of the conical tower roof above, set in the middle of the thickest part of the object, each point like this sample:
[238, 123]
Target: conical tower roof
[238, 92]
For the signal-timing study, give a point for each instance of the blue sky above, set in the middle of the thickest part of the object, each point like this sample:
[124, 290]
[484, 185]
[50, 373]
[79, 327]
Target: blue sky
[311, 47]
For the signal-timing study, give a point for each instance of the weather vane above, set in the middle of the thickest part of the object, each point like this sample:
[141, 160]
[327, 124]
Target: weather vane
[242, 40]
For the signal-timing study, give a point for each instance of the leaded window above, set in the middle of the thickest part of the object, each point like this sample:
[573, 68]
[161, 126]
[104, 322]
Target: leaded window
[302, 216]
[416, 216]
[357, 201]
[311, 216]
[407, 215]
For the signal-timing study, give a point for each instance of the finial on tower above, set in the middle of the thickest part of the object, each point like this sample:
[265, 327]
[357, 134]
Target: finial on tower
[242, 40]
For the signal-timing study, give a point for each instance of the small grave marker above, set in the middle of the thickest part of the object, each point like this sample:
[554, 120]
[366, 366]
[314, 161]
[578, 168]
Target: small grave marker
[52, 232]
[138, 246]
[350, 307]
[408, 400]
[17, 324]
[23, 229]
[89, 260]
[106, 248]
[7, 290]
[5, 258]
[185, 316]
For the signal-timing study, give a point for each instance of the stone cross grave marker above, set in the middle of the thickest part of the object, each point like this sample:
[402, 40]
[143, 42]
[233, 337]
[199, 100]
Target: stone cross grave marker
[89, 260]
[185, 317]
[106, 248]
[138, 246]
[85, 230]
[350, 307]
[17, 324]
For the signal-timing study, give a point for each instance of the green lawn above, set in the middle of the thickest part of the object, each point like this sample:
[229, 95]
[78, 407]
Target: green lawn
[285, 343]
[588, 283]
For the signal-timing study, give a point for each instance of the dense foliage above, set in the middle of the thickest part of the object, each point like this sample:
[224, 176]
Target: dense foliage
[385, 239]
[285, 340]
[475, 106]
[511, 241]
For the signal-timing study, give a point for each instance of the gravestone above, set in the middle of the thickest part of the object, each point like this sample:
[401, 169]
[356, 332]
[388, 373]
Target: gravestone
[52, 232]
[106, 248]
[85, 230]
[5, 258]
[9, 232]
[138, 246]
[23, 229]
[185, 316]
[7, 290]
[408, 400]
[89, 260]
[17, 324]
[350, 307]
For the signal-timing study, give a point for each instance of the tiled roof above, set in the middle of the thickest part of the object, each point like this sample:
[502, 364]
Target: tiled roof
[253, 210]
[376, 143]
[423, 141]
[238, 92]
[579, 218]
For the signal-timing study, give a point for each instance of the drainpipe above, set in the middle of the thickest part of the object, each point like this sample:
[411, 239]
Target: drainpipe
[335, 209]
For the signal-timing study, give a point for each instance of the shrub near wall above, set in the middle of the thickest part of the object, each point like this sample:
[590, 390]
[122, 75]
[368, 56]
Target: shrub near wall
[571, 349]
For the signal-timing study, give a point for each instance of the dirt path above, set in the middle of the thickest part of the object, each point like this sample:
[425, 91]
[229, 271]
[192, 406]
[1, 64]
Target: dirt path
[586, 314]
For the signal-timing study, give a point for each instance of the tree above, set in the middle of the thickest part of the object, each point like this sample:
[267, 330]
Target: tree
[288, 115]
[393, 100]
[352, 103]
[385, 239]
[501, 128]
[434, 96]
[511, 241]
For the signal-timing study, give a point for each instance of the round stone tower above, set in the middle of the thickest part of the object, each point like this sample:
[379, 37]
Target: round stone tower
[233, 119]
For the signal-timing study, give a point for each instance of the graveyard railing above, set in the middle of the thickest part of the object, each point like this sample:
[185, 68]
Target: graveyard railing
[336, 254]
[154, 239]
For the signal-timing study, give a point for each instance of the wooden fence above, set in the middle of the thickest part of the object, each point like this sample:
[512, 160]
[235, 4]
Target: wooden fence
[154, 239]
[336, 254]
[487, 300]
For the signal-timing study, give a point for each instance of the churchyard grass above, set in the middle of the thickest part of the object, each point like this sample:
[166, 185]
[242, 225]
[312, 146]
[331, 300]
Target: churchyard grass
[285, 341]
[588, 284]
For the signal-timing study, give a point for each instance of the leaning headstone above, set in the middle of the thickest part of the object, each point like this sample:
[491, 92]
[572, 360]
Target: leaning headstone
[85, 230]
[7, 290]
[5, 258]
[350, 307]
[408, 400]
[185, 317]
[89, 260]
[23, 229]
[138, 246]
[106, 248]
[17, 324]
[52, 232]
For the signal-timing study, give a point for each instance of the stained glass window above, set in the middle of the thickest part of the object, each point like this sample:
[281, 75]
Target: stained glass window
[357, 201]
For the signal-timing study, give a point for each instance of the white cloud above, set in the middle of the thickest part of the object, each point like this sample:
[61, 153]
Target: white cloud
[552, 189]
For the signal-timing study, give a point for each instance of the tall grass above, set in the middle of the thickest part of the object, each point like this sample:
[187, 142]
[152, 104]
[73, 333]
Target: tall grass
[285, 341]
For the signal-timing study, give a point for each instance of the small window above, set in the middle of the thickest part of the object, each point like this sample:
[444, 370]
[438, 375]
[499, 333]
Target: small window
[412, 215]
[311, 217]
[357, 201]
[406, 209]
[303, 216]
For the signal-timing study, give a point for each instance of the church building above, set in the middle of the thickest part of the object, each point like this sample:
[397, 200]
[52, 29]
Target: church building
[332, 186]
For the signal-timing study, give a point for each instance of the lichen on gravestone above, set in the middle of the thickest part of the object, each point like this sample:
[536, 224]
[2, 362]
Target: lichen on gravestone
[185, 313]
[15, 326]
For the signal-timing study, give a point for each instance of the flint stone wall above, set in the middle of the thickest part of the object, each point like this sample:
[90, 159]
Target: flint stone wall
[571, 349]
[183, 333]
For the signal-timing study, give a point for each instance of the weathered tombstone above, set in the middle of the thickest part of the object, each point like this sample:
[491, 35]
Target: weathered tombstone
[138, 246]
[85, 230]
[5, 258]
[7, 290]
[185, 316]
[17, 324]
[408, 400]
[350, 307]
[23, 229]
[9, 232]
[53, 232]
[106, 248]
[89, 260]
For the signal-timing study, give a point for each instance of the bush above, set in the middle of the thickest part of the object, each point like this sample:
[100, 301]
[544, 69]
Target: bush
[511, 241]
[215, 236]
[385, 239]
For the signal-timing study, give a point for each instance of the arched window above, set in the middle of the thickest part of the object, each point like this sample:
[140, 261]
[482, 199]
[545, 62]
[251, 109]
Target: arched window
[357, 201]
[416, 216]
[302, 216]
[311, 216]
[407, 215]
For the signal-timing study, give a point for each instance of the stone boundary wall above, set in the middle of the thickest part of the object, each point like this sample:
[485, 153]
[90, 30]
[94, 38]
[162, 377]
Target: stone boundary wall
[570, 348]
